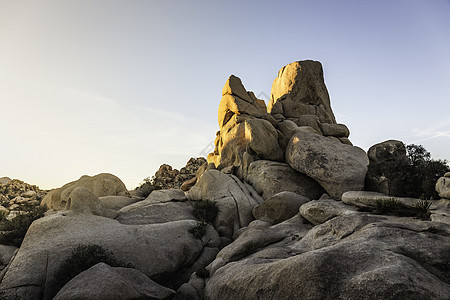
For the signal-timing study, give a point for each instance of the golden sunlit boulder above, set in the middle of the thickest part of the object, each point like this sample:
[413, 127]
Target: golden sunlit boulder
[103, 184]
[299, 89]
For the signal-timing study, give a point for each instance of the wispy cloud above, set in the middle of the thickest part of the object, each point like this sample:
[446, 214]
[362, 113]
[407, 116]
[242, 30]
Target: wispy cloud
[67, 132]
[437, 130]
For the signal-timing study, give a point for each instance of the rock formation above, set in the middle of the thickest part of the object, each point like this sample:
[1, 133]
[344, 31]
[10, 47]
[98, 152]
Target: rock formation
[101, 185]
[443, 186]
[297, 123]
[384, 156]
[168, 178]
[15, 195]
[292, 216]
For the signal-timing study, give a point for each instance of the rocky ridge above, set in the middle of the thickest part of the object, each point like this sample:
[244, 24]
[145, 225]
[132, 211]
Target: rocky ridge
[15, 194]
[295, 220]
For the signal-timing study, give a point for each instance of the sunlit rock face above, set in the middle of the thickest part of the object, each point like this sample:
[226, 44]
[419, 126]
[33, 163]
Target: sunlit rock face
[249, 131]
[299, 90]
[246, 129]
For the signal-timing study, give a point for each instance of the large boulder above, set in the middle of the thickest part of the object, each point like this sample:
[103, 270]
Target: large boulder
[82, 201]
[245, 127]
[232, 197]
[353, 256]
[443, 186]
[279, 207]
[4, 180]
[269, 178]
[299, 89]
[101, 185]
[157, 250]
[103, 282]
[335, 166]
[320, 211]
[385, 160]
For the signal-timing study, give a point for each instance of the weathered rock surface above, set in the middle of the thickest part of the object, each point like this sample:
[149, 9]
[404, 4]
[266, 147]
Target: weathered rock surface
[261, 239]
[269, 178]
[161, 196]
[354, 256]
[258, 240]
[82, 201]
[155, 213]
[440, 211]
[103, 282]
[117, 202]
[320, 211]
[231, 196]
[101, 185]
[6, 254]
[336, 167]
[385, 156]
[279, 207]
[157, 250]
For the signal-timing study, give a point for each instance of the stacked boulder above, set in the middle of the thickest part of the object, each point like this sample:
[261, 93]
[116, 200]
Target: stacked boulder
[443, 186]
[169, 178]
[246, 129]
[271, 183]
[299, 95]
[297, 129]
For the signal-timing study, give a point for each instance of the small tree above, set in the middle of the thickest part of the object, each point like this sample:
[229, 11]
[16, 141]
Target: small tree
[417, 177]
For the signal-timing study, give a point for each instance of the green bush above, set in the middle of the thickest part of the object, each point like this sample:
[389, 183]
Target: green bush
[415, 177]
[82, 258]
[13, 231]
[205, 210]
[147, 186]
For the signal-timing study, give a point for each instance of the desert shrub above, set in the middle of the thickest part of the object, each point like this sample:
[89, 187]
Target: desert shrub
[205, 210]
[82, 258]
[147, 186]
[423, 208]
[13, 231]
[388, 206]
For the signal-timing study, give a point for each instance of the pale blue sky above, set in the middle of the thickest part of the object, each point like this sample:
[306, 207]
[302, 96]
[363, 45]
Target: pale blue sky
[124, 86]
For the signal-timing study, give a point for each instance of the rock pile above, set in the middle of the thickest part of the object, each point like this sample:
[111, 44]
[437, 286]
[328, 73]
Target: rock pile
[15, 194]
[274, 185]
[298, 127]
[168, 178]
